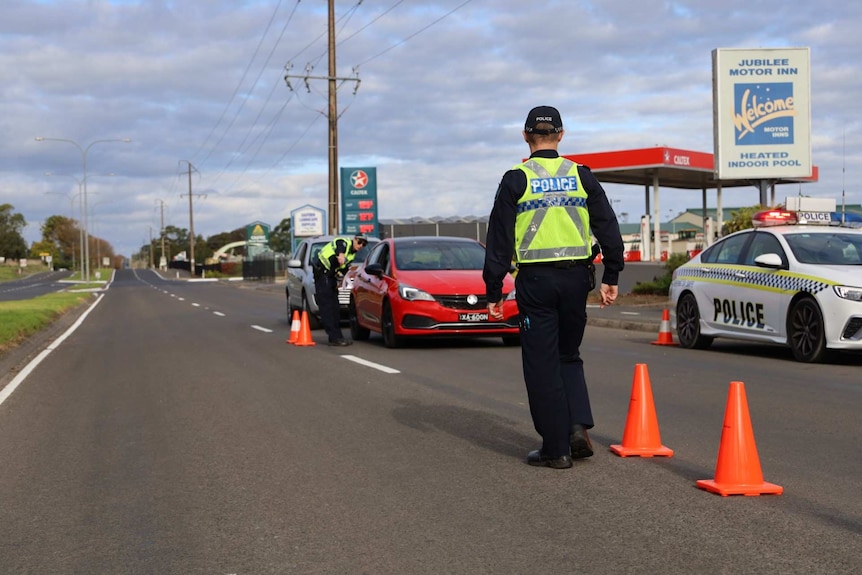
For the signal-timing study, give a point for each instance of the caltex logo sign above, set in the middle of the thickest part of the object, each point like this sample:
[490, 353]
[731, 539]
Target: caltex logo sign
[359, 179]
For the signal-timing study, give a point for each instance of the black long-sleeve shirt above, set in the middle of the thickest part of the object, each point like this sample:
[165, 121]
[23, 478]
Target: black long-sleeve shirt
[500, 242]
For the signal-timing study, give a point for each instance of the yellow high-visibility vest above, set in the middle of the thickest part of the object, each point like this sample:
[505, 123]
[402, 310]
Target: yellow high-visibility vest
[552, 222]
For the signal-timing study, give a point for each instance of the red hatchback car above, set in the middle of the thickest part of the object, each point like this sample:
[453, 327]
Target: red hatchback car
[427, 286]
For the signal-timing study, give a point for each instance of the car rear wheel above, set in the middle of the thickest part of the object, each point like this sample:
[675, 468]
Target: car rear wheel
[806, 334]
[289, 307]
[688, 324]
[387, 327]
[313, 320]
[357, 332]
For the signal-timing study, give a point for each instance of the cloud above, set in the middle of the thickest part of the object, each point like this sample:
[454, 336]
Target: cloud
[443, 92]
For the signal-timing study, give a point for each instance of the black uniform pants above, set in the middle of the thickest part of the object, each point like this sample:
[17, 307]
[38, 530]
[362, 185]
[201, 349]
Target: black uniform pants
[552, 303]
[326, 295]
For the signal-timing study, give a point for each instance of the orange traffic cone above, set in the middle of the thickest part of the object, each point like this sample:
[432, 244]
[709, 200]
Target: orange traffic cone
[641, 437]
[304, 331]
[665, 337]
[737, 471]
[295, 326]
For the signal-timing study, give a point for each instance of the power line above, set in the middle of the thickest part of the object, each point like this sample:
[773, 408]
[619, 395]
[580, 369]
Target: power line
[238, 86]
[265, 104]
[411, 36]
[382, 14]
[265, 134]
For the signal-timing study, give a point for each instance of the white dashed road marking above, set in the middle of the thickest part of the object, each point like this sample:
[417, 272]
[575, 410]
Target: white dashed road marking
[371, 364]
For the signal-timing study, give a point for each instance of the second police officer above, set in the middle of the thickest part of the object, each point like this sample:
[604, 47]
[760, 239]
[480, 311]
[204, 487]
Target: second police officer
[332, 262]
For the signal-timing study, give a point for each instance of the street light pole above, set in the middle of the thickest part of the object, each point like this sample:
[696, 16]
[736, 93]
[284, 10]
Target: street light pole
[84, 151]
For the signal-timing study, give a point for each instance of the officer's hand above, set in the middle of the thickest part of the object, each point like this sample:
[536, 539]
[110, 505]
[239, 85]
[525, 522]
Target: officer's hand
[495, 310]
[341, 258]
[609, 294]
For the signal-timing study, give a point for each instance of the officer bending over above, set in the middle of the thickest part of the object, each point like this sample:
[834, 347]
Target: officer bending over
[332, 263]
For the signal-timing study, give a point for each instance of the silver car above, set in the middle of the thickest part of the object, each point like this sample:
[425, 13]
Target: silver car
[299, 289]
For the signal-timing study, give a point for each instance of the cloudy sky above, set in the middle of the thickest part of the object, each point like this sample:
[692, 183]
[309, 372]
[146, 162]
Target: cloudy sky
[445, 87]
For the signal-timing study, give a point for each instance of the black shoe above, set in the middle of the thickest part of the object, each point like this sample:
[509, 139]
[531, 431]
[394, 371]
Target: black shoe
[341, 342]
[536, 458]
[580, 442]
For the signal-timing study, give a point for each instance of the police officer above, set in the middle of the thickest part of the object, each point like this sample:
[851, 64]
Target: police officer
[332, 262]
[544, 212]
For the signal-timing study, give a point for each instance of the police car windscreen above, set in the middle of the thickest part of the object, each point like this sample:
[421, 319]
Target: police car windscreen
[826, 249]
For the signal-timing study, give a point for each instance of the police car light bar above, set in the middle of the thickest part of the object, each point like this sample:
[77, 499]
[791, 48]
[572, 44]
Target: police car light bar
[773, 218]
[768, 218]
[847, 219]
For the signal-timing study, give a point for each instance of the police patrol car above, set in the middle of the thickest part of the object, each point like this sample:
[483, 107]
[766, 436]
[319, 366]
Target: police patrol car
[794, 279]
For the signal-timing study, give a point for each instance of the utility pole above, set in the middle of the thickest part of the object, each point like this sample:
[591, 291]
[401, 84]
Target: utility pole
[191, 219]
[162, 234]
[150, 249]
[332, 115]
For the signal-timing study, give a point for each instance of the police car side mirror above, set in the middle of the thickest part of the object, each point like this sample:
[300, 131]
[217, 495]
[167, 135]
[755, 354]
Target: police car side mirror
[375, 270]
[772, 261]
[294, 263]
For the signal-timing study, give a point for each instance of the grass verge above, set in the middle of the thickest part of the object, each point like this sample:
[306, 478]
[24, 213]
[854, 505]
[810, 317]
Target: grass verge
[21, 319]
[9, 273]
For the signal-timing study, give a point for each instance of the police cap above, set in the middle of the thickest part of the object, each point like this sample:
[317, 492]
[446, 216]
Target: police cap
[543, 115]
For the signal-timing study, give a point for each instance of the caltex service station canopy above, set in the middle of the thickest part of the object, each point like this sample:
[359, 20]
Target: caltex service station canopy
[662, 166]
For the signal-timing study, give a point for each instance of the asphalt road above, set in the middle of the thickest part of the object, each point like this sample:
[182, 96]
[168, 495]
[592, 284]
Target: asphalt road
[174, 431]
[33, 285]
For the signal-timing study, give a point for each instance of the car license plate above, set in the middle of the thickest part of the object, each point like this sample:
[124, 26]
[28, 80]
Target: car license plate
[473, 317]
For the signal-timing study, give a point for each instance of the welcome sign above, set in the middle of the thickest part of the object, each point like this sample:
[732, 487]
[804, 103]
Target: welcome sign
[762, 113]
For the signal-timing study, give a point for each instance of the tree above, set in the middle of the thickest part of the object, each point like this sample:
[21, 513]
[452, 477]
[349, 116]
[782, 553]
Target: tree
[12, 243]
[62, 236]
[279, 237]
[217, 241]
[740, 220]
[176, 241]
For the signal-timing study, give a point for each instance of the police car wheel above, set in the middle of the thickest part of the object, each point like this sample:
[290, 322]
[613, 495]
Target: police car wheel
[688, 324]
[357, 332]
[387, 327]
[806, 334]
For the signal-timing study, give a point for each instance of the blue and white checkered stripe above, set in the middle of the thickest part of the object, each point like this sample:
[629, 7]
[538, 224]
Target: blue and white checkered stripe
[771, 281]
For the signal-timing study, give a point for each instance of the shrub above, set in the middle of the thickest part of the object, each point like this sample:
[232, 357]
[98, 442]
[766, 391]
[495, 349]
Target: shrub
[661, 284]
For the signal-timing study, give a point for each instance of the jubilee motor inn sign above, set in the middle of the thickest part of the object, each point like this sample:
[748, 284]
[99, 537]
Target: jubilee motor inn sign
[762, 113]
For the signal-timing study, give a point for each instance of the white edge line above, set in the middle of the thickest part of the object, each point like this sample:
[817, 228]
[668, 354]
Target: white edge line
[218, 313]
[263, 329]
[22, 375]
[371, 364]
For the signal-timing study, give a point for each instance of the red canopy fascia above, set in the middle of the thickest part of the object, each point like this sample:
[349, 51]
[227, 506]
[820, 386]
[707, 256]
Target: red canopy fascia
[675, 168]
